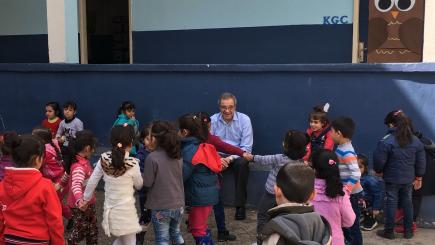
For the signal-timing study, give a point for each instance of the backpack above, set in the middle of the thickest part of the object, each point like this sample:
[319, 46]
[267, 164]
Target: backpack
[318, 142]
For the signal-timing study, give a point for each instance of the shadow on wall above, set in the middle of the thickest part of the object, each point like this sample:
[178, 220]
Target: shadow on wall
[276, 97]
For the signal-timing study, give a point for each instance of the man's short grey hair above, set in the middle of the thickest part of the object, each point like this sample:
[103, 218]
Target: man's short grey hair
[227, 95]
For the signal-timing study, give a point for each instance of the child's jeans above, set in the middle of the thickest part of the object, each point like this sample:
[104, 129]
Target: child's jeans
[198, 217]
[396, 193]
[267, 202]
[166, 225]
[353, 234]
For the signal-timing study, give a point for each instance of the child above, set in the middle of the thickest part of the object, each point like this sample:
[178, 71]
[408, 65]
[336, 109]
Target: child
[31, 212]
[52, 166]
[143, 151]
[52, 112]
[84, 222]
[331, 201]
[6, 151]
[163, 175]
[319, 131]
[121, 177]
[294, 146]
[70, 125]
[372, 194]
[342, 131]
[201, 164]
[126, 114]
[401, 159]
[293, 221]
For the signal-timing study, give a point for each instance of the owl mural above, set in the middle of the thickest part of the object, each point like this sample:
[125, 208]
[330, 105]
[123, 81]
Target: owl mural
[395, 31]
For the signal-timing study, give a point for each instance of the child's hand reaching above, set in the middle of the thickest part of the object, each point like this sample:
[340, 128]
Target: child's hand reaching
[82, 205]
[248, 156]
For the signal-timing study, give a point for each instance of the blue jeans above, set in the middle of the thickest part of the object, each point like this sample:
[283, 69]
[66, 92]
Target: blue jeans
[398, 193]
[353, 234]
[166, 225]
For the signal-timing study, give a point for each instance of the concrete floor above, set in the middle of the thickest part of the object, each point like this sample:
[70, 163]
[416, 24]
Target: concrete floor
[245, 231]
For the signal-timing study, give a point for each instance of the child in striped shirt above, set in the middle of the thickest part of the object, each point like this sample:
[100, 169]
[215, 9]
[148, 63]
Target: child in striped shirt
[294, 146]
[342, 132]
[84, 222]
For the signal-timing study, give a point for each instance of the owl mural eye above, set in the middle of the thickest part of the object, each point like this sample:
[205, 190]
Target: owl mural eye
[384, 5]
[405, 5]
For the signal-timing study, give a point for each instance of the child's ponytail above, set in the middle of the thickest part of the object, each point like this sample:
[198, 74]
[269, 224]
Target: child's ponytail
[195, 126]
[45, 135]
[75, 145]
[167, 138]
[25, 149]
[401, 122]
[325, 163]
[121, 137]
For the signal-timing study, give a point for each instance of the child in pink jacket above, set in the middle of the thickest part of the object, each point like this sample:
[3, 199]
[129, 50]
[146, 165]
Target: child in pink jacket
[332, 200]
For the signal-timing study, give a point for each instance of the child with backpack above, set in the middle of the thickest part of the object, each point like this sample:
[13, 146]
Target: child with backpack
[319, 131]
[331, 200]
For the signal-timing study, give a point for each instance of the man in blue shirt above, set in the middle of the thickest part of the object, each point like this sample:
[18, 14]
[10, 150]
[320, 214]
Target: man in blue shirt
[234, 128]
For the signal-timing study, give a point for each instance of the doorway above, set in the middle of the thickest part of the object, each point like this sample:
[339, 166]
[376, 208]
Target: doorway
[105, 31]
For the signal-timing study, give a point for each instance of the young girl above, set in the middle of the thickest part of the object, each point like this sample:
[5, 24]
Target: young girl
[126, 114]
[331, 200]
[6, 152]
[121, 177]
[401, 159]
[294, 146]
[319, 131]
[52, 112]
[163, 175]
[84, 222]
[201, 165]
[31, 212]
[52, 166]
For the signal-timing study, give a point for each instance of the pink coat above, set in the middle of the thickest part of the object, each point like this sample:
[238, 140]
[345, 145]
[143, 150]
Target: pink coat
[337, 211]
[52, 168]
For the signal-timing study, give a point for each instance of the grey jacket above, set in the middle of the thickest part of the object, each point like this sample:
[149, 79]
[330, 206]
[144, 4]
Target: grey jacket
[290, 224]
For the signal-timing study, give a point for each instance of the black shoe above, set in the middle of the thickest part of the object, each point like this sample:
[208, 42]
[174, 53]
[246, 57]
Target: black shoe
[240, 213]
[70, 224]
[408, 235]
[226, 236]
[388, 235]
[369, 224]
[140, 238]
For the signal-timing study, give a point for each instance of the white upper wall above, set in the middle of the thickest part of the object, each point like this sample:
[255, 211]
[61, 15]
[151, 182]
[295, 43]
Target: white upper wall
[151, 15]
[23, 17]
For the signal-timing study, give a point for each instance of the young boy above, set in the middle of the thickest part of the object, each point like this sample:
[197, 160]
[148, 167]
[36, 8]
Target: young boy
[70, 125]
[342, 131]
[293, 221]
[372, 195]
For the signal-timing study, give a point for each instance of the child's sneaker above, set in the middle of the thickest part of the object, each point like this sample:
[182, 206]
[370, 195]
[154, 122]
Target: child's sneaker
[369, 223]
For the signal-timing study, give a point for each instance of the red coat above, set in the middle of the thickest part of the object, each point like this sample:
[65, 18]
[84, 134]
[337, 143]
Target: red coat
[329, 143]
[30, 207]
[52, 126]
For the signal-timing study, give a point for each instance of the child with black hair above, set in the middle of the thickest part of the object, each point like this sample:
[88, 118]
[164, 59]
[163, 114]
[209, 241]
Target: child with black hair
[163, 175]
[342, 129]
[201, 166]
[84, 222]
[121, 178]
[70, 125]
[6, 152]
[53, 166]
[319, 131]
[31, 211]
[372, 195]
[52, 112]
[126, 115]
[294, 147]
[293, 221]
[400, 158]
[331, 201]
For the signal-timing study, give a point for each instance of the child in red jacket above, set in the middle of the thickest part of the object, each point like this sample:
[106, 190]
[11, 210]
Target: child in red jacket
[30, 209]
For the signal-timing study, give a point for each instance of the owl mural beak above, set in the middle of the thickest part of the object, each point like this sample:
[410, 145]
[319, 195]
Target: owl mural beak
[395, 14]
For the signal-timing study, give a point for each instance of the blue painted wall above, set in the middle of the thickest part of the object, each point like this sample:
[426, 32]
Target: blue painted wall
[276, 97]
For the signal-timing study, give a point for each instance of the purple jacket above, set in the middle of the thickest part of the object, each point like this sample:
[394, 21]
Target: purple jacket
[337, 211]
[5, 161]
